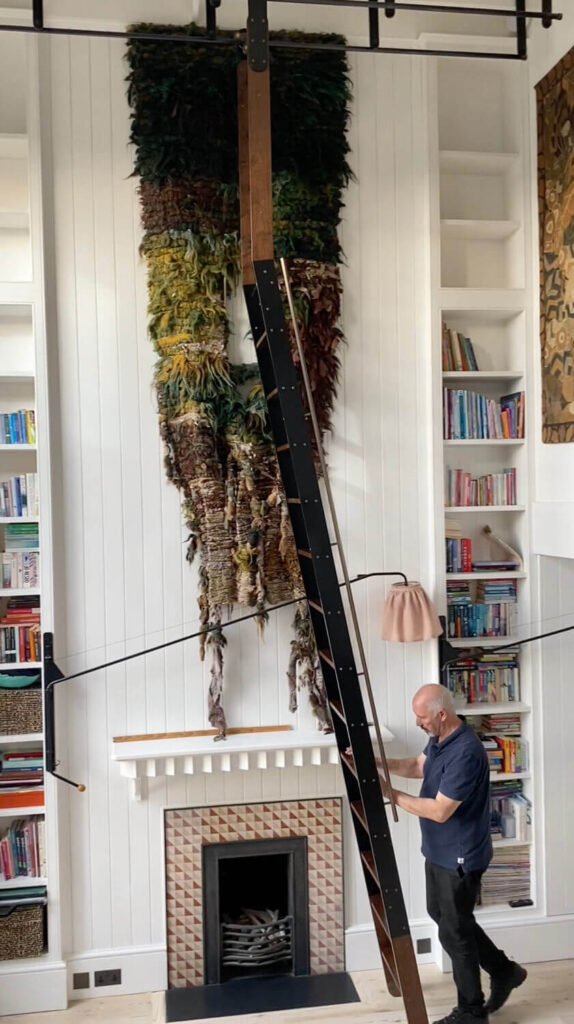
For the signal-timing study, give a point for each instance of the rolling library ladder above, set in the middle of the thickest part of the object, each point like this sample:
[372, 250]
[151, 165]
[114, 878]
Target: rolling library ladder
[290, 426]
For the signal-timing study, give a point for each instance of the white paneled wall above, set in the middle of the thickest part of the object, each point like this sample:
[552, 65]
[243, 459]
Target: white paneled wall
[122, 581]
[557, 655]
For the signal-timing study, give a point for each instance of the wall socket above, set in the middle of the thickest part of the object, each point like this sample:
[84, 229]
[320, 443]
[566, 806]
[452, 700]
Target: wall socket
[113, 977]
[424, 945]
[81, 980]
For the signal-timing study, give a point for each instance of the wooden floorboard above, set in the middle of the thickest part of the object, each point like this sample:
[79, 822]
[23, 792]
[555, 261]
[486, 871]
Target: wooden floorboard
[547, 997]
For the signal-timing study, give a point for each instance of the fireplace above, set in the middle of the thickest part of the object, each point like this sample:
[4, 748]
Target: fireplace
[255, 909]
[284, 857]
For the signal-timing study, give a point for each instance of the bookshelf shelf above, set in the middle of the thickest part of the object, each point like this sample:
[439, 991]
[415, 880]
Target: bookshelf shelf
[454, 161]
[17, 739]
[451, 509]
[18, 447]
[15, 592]
[506, 776]
[20, 664]
[17, 378]
[478, 230]
[485, 575]
[22, 882]
[482, 641]
[498, 843]
[18, 519]
[482, 375]
[492, 707]
[473, 442]
[21, 812]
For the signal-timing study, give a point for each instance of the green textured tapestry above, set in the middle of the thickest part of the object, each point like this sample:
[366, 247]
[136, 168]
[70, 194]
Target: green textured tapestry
[555, 100]
[213, 418]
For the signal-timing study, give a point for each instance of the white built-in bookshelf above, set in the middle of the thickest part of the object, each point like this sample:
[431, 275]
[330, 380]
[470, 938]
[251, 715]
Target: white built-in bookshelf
[25, 511]
[479, 290]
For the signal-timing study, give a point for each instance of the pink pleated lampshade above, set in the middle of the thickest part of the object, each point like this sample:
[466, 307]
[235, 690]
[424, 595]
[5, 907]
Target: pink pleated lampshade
[409, 614]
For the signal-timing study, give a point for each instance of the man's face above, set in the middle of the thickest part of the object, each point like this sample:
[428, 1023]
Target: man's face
[426, 720]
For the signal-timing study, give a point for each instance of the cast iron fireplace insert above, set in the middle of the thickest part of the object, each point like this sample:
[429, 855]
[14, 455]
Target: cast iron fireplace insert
[255, 875]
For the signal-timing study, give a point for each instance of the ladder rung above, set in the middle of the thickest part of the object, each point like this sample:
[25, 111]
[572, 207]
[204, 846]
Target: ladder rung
[272, 394]
[326, 657]
[347, 760]
[316, 606]
[283, 448]
[293, 501]
[260, 341]
[359, 812]
[385, 941]
[369, 862]
[338, 709]
[304, 553]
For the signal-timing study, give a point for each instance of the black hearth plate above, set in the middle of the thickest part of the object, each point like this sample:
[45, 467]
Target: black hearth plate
[258, 995]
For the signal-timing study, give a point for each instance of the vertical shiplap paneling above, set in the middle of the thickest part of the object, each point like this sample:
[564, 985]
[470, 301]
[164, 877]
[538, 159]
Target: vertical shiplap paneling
[557, 593]
[125, 570]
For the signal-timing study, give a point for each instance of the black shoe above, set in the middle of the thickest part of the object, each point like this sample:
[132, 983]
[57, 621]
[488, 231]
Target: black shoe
[462, 1016]
[501, 986]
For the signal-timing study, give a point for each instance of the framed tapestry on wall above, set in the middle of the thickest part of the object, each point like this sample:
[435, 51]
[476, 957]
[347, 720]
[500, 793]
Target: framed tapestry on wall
[555, 116]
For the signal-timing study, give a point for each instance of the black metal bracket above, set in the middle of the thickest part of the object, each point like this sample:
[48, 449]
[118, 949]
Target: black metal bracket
[257, 35]
[390, 8]
[374, 34]
[211, 17]
[38, 14]
[521, 29]
[547, 13]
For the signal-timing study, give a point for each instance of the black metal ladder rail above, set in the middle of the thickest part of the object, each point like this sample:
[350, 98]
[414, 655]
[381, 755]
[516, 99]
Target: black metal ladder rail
[315, 552]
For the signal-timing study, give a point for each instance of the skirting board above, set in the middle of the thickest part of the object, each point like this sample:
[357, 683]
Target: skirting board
[533, 940]
[362, 951]
[31, 989]
[144, 969]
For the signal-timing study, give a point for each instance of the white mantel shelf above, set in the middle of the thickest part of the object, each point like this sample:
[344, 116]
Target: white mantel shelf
[193, 755]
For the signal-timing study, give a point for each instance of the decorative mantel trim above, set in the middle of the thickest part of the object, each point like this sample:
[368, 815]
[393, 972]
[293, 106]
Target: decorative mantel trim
[194, 755]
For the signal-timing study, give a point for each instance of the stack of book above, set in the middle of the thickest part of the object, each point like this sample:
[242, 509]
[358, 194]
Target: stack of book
[494, 755]
[457, 351]
[508, 876]
[502, 566]
[19, 496]
[475, 620]
[468, 415]
[20, 570]
[458, 593]
[18, 427]
[501, 725]
[462, 489]
[495, 591]
[23, 850]
[458, 548]
[492, 677]
[20, 634]
[21, 537]
[22, 779]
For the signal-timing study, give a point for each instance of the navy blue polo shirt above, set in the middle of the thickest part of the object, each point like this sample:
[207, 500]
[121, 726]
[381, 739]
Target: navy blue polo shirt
[458, 767]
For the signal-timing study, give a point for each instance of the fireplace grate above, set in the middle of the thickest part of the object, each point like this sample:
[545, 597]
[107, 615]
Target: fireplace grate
[268, 941]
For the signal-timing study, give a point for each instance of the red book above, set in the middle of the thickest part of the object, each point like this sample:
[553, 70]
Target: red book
[23, 798]
[466, 552]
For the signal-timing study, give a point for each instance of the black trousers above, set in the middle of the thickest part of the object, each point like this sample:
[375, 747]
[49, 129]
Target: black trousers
[451, 899]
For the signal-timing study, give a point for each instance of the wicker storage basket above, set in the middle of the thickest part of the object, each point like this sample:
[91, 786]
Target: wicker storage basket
[20, 712]
[22, 933]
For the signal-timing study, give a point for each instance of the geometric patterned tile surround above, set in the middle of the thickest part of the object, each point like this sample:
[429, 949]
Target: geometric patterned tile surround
[188, 829]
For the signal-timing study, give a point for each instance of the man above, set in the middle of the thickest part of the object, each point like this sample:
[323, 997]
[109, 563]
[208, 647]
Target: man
[454, 812]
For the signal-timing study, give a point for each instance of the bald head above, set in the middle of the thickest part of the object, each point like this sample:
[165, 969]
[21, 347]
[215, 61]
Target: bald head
[434, 710]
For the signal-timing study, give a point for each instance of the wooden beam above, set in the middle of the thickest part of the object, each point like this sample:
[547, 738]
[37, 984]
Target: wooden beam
[142, 737]
[244, 178]
[259, 121]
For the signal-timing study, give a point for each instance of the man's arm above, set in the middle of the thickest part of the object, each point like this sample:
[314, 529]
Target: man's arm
[439, 809]
[407, 767]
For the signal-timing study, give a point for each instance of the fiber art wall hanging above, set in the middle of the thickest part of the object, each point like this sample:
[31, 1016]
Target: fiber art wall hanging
[218, 446]
[555, 107]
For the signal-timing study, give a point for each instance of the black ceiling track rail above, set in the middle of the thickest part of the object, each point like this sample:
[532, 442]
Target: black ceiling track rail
[373, 7]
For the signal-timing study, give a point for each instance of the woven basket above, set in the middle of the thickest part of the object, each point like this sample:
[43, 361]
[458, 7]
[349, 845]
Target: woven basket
[22, 933]
[20, 712]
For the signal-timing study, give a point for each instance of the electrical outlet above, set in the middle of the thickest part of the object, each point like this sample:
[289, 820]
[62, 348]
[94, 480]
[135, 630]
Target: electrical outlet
[113, 977]
[81, 980]
[423, 945]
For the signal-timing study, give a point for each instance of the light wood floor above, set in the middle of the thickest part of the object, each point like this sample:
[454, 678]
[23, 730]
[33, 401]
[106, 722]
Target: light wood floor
[547, 997]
